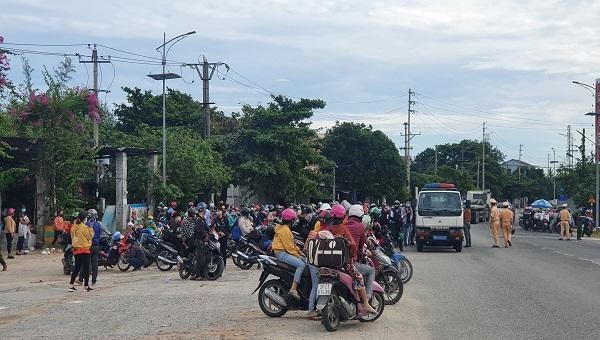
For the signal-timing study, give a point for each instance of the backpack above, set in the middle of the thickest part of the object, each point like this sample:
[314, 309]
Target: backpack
[236, 232]
[331, 253]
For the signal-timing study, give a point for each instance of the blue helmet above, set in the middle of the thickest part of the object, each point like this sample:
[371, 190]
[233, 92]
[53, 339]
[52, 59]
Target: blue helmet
[116, 236]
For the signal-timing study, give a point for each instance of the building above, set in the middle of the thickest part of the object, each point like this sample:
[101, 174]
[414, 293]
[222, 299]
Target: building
[515, 164]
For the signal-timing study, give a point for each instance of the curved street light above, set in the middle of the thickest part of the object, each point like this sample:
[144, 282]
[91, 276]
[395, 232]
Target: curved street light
[164, 76]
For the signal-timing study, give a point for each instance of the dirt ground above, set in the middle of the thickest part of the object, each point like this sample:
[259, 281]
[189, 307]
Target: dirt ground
[150, 304]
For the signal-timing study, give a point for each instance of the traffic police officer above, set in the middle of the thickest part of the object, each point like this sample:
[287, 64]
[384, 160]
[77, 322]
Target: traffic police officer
[507, 219]
[565, 219]
[495, 222]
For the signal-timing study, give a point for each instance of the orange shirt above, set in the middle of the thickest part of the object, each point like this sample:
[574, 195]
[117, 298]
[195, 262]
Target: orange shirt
[506, 215]
[59, 223]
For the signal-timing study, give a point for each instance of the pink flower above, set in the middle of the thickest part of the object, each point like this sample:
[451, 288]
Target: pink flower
[93, 111]
[37, 123]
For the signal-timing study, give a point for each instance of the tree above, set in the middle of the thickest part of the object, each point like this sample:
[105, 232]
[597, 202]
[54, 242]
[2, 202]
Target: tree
[278, 153]
[367, 160]
[62, 118]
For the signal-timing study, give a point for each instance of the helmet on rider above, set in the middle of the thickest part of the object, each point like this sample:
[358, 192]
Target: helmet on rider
[92, 213]
[375, 212]
[338, 211]
[117, 236]
[356, 210]
[325, 217]
[246, 211]
[192, 212]
[346, 205]
[173, 204]
[396, 202]
[201, 206]
[325, 206]
[288, 215]
[11, 211]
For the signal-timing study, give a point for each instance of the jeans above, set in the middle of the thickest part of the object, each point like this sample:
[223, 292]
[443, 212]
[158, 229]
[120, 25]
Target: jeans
[292, 260]
[314, 278]
[368, 274]
[94, 253]
[405, 234]
[82, 263]
[135, 262]
[411, 233]
[9, 242]
[467, 226]
[20, 242]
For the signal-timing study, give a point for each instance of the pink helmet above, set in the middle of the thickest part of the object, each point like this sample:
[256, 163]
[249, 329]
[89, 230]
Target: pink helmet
[11, 211]
[289, 214]
[338, 211]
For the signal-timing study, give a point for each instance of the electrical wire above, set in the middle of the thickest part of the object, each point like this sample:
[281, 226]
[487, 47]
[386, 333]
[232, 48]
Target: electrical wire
[44, 45]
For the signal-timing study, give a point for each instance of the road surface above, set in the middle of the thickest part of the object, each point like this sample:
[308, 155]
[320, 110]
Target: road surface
[536, 289]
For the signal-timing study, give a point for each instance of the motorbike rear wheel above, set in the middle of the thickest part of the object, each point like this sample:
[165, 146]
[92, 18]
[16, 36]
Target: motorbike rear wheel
[377, 302]
[163, 266]
[330, 315]
[185, 271]
[406, 270]
[241, 263]
[123, 264]
[268, 306]
[214, 269]
[391, 282]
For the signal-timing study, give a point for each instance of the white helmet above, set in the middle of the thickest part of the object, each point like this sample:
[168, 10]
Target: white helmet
[325, 206]
[356, 210]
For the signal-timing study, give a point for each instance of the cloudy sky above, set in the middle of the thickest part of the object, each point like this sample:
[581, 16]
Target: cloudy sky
[509, 63]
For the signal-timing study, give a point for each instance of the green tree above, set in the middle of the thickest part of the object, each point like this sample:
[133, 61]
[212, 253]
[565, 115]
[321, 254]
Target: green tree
[367, 160]
[278, 153]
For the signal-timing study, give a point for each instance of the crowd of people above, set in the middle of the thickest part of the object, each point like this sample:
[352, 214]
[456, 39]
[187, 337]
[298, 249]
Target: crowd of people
[17, 228]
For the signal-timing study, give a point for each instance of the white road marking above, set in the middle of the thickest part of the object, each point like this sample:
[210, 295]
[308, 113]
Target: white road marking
[76, 301]
[1, 308]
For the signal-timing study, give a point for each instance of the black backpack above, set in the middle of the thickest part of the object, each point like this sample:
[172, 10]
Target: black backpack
[331, 253]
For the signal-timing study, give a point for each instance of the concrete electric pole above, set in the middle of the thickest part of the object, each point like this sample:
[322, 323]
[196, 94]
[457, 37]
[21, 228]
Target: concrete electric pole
[408, 136]
[208, 69]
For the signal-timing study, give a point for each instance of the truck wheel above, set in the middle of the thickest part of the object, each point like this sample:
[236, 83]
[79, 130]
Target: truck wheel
[419, 246]
[458, 247]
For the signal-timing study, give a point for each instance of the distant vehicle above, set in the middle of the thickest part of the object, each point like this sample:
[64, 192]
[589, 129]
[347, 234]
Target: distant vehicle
[480, 205]
[439, 217]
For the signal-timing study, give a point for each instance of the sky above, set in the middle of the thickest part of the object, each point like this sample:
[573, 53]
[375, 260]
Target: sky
[508, 63]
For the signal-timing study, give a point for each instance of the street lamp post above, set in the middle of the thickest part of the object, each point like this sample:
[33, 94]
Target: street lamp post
[164, 76]
[596, 93]
[553, 176]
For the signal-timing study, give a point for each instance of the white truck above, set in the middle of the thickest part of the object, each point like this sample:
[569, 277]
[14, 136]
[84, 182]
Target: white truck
[439, 217]
[480, 205]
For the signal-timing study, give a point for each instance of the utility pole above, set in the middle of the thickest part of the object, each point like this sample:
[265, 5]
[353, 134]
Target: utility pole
[478, 173]
[520, 156]
[483, 160]
[333, 184]
[208, 69]
[94, 60]
[408, 136]
[436, 162]
[462, 158]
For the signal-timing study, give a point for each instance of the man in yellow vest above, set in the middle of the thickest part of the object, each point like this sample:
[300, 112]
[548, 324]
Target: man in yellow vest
[507, 219]
[565, 219]
[495, 222]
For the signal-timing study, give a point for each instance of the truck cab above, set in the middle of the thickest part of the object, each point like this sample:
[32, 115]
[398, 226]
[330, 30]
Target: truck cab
[439, 217]
[480, 205]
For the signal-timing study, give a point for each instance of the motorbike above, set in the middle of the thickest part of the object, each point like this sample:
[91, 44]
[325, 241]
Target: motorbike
[338, 301]
[386, 274]
[400, 261]
[273, 297]
[214, 263]
[585, 226]
[111, 251]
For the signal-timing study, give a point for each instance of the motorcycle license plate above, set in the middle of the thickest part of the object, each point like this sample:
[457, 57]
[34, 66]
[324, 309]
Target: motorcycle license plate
[324, 289]
[439, 238]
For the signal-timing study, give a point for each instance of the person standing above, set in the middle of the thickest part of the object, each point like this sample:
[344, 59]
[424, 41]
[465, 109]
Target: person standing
[10, 229]
[95, 248]
[23, 232]
[59, 227]
[467, 223]
[495, 222]
[81, 240]
[507, 219]
[565, 218]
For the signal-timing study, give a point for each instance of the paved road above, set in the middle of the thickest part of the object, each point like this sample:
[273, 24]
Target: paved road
[535, 289]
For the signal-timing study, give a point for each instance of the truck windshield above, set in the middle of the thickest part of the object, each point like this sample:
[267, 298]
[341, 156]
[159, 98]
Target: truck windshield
[439, 204]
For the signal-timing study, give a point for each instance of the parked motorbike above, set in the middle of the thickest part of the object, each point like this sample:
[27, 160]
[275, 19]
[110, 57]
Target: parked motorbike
[214, 263]
[338, 301]
[111, 250]
[585, 226]
[386, 274]
[68, 260]
[398, 259]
